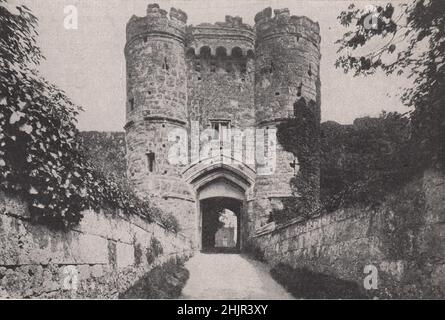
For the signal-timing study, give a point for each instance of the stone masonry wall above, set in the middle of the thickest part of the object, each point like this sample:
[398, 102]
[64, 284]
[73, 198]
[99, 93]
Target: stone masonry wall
[156, 70]
[157, 111]
[220, 69]
[404, 239]
[102, 257]
[209, 76]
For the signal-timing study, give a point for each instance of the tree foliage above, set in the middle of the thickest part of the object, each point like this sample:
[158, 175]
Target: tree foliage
[362, 163]
[38, 145]
[406, 40]
[40, 152]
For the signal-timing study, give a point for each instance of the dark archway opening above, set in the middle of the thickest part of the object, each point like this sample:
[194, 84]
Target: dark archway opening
[221, 224]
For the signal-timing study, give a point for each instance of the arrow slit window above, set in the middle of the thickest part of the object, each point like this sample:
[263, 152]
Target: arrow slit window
[151, 161]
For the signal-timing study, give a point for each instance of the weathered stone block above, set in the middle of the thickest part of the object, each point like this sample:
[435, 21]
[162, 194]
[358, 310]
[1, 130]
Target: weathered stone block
[125, 255]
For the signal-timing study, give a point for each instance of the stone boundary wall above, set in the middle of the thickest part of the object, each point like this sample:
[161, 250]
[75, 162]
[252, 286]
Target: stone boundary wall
[406, 245]
[101, 258]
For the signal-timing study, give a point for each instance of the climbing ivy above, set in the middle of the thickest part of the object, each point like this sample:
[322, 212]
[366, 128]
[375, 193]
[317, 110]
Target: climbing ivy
[300, 136]
[363, 163]
[40, 153]
[154, 250]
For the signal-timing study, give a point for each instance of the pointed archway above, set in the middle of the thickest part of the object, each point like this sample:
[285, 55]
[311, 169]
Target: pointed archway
[218, 235]
[221, 183]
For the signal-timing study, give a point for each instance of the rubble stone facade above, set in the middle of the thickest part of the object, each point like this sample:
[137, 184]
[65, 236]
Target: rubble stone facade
[182, 78]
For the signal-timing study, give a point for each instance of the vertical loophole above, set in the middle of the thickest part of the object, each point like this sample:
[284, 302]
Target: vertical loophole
[150, 161]
[299, 90]
[165, 65]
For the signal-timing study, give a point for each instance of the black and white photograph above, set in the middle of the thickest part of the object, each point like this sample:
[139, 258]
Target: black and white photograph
[248, 151]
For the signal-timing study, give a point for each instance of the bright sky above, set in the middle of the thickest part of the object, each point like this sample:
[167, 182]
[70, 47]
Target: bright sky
[89, 63]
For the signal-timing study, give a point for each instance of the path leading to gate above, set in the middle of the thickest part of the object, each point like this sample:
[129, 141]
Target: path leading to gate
[230, 276]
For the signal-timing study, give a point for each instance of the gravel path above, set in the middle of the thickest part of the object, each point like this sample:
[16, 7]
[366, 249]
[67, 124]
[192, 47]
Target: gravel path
[230, 276]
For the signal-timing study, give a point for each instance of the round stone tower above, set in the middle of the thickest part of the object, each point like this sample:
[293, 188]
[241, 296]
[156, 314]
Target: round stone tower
[156, 110]
[287, 72]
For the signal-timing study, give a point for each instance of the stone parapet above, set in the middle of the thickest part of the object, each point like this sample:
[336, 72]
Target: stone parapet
[100, 258]
[282, 23]
[157, 23]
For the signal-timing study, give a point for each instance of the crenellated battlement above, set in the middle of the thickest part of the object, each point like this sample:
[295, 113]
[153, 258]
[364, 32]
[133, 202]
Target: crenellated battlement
[231, 35]
[158, 22]
[230, 22]
[282, 23]
[223, 60]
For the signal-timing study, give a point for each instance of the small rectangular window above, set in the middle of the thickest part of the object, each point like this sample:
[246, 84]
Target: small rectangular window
[218, 126]
[151, 161]
[131, 104]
